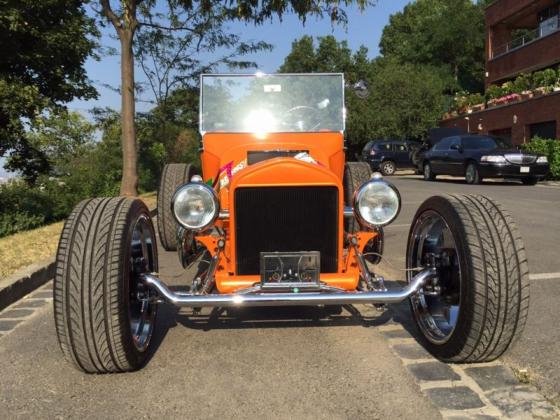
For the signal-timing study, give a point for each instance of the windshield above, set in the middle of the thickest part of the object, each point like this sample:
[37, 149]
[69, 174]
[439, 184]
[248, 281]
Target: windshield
[485, 143]
[272, 103]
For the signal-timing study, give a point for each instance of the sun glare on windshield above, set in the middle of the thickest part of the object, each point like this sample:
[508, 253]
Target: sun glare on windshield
[262, 104]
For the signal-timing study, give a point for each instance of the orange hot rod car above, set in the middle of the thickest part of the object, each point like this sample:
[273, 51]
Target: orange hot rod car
[277, 217]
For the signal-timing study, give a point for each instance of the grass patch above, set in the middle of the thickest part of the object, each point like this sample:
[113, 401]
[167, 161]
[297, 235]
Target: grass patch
[25, 248]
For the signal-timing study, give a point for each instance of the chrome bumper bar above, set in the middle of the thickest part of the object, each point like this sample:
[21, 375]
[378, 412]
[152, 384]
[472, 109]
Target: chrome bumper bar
[254, 296]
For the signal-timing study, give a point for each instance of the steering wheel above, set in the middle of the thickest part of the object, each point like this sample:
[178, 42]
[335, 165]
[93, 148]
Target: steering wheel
[300, 124]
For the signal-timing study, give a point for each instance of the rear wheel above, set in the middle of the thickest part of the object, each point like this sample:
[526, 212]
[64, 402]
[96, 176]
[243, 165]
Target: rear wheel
[173, 176]
[103, 315]
[428, 173]
[471, 174]
[355, 174]
[530, 180]
[478, 305]
[388, 168]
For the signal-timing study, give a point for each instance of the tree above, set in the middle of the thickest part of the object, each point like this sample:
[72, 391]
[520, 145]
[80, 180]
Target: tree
[442, 33]
[44, 46]
[404, 101]
[126, 20]
[401, 101]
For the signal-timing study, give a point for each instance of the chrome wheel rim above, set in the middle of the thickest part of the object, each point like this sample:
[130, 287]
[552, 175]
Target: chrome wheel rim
[470, 175]
[436, 314]
[141, 310]
[388, 168]
[427, 171]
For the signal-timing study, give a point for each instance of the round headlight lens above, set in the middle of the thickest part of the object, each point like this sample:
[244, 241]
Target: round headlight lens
[377, 203]
[195, 206]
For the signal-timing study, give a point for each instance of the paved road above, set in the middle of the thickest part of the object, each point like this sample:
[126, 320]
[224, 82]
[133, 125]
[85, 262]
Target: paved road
[537, 212]
[282, 363]
[286, 363]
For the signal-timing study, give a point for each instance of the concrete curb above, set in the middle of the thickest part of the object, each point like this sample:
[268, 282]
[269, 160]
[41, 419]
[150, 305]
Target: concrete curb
[25, 281]
[29, 278]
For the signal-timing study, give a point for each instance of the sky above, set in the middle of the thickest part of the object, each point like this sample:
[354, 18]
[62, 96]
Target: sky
[364, 28]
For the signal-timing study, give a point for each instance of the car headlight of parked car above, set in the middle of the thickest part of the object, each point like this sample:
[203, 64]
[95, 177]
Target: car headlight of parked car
[195, 206]
[493, 159]
[376, 203]
[542, 159]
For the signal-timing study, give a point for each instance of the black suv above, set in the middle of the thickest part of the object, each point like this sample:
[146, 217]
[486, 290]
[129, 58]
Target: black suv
[477, 156]
[387, 156]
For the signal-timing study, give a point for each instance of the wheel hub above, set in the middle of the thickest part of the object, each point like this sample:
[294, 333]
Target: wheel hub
[437, 305]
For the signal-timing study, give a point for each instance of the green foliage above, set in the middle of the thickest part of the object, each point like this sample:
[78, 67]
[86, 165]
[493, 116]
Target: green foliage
[445, 34]
[402, 100]
[494, 92]
[405, 101]
[44, 46]
[551, 149]
[523, 83]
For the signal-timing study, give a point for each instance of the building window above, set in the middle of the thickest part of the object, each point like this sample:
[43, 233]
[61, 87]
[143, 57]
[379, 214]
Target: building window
[548, 20]
[545, 130]
[503, 133]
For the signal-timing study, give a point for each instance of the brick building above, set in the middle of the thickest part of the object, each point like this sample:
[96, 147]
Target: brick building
[522, 36]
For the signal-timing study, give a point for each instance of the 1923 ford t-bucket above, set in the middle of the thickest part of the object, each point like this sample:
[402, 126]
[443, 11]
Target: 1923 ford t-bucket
[282, 219]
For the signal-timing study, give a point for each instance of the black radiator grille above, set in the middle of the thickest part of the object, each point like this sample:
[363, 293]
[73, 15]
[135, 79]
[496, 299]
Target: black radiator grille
[285, 219]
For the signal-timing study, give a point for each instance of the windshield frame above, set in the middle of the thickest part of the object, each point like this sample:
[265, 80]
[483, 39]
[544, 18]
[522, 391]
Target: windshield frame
[261, 74]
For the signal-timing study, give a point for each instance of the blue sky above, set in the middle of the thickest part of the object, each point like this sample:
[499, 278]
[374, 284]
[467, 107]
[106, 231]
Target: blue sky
[364, 28]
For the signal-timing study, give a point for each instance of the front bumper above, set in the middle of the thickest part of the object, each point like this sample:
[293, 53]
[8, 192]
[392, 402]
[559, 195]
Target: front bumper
[509, 170]
[254, 296]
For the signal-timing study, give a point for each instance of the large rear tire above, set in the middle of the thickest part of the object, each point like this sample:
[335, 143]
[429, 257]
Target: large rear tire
[355, 174]
[479, 306]
[173, 176]
[104, 321]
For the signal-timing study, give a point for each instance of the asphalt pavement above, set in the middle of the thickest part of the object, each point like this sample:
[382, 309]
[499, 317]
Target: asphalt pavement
[536, 210]
[350, 362]
[260, 363]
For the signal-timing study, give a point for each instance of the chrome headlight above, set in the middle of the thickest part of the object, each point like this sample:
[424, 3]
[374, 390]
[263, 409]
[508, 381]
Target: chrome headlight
[542, 159]
[376, 203]
[195, 206]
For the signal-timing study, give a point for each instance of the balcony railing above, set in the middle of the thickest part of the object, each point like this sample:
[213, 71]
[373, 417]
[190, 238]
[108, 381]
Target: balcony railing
[545, 28]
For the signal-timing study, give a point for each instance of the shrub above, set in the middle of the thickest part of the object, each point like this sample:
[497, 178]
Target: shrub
[494, 92]
[522, 83]
[551, 149]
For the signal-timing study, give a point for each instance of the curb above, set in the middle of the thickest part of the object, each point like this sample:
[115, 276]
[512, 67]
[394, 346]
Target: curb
[25, 281]
[29, 278]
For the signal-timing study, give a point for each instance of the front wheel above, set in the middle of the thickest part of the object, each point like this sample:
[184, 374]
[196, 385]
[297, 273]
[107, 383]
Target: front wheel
[472, 175]
[388, 168]
[477, 306]
[104, 316]
[428, 173]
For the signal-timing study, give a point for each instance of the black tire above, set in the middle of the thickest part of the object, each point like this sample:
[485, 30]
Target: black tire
[530, 180]
[493, 290]
[96, 285]
[472, 176]
[427, 172]
[388, 168]
[173, 176]
[355, 174]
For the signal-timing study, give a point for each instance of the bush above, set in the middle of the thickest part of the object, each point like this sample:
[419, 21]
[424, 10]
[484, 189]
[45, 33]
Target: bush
[523, 83]
[23, 207]
[494, 92]
[551, 149]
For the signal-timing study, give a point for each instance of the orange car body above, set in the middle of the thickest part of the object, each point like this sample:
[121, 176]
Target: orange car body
[224, 165]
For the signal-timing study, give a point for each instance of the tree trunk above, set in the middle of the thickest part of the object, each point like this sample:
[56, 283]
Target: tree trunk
[129, 183]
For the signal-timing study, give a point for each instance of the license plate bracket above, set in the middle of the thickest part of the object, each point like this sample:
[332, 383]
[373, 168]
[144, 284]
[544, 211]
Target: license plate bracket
[290, 270]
